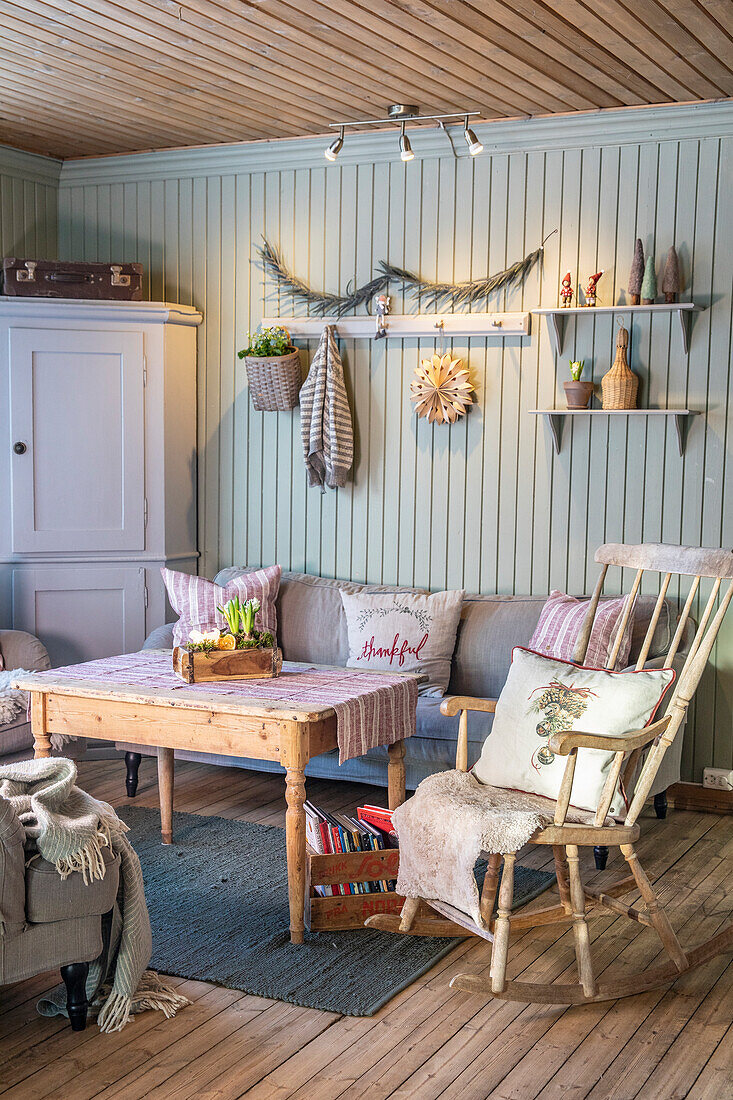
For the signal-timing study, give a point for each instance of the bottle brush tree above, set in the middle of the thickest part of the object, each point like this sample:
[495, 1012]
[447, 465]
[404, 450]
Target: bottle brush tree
[649, 283]
[671, 277]
[637, 273]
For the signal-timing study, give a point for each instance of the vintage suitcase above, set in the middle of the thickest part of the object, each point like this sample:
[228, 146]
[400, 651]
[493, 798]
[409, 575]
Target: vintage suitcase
[57, 279]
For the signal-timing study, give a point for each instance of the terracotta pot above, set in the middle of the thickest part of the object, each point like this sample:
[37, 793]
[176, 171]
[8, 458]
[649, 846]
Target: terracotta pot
[578, 394]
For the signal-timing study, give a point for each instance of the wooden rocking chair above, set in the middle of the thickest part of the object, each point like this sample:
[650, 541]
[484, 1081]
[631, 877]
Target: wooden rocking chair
[565, 838]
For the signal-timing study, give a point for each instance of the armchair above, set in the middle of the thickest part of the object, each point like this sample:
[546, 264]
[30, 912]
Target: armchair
[47, 922]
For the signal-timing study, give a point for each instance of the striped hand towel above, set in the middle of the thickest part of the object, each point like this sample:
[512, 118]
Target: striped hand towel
[325, 419]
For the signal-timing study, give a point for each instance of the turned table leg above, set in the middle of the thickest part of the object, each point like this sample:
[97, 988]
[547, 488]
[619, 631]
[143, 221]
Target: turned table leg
[295, 847]
[165, 793]
[396, 775]
[41, 737]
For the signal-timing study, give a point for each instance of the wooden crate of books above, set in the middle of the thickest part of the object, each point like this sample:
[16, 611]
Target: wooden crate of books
[344, 887]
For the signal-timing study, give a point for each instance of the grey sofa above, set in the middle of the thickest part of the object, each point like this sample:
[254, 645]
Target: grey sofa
[312, 627]
[49, 922]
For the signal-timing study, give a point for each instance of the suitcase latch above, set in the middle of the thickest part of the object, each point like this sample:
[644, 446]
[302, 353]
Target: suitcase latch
[118, 279]
[29, 275]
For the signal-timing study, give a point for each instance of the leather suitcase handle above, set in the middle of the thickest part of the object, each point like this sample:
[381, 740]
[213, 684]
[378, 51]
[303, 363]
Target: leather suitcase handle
[69, 277]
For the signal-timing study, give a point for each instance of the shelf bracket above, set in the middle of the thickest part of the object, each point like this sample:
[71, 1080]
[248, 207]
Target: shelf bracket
[556, 426]
[681, 424]
[684, 319]
[556, 329]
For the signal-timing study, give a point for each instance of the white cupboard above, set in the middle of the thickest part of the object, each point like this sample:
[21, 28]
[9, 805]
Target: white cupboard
[98, 460]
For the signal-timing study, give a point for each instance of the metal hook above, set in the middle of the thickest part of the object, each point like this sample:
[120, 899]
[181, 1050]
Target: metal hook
[440, 325]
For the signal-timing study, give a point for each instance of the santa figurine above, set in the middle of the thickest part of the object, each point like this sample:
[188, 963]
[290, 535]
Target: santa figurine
[590, 290]
[566, 291]
[382, 311]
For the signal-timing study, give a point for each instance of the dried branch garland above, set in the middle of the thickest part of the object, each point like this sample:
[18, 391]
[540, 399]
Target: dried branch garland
[432, 295]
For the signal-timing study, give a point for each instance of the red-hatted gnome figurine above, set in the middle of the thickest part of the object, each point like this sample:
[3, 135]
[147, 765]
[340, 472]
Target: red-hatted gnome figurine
[566, 291]
[590, 291]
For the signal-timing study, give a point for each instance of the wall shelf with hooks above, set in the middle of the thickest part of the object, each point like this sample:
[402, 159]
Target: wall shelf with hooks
[556, 419]
[556, 318]
[401, 325]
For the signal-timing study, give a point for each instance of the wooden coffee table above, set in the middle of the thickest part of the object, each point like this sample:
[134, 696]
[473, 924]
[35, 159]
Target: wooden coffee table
[190, 719]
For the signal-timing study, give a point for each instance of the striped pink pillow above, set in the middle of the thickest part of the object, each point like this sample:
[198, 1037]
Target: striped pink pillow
[561, 620]
[195, 599]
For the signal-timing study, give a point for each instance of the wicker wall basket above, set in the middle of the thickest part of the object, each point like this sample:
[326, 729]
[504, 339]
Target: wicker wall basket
[274, 380]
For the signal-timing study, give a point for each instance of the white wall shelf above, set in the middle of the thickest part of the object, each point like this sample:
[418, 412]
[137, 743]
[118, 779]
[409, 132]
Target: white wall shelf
[490, 325]
[556, 419]
[557, 317]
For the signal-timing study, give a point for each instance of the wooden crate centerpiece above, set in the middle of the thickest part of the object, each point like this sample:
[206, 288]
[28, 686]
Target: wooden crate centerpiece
[223, 664]
[239, 652]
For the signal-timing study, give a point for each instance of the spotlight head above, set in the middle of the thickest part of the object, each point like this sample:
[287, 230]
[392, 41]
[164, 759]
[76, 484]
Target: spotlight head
[406, 152]
[335, 147]
[473, 143]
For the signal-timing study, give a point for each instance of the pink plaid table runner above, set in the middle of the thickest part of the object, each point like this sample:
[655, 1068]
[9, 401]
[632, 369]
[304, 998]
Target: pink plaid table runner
[372, 708]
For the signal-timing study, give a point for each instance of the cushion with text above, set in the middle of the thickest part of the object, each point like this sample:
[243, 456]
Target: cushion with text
[404, 632]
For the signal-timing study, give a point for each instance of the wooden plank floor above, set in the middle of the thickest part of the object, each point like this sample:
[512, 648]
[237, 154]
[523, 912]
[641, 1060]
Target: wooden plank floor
[429, 1041]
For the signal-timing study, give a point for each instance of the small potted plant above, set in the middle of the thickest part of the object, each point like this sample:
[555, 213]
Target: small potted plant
[273, 369]
[238, 652]
[577, 393]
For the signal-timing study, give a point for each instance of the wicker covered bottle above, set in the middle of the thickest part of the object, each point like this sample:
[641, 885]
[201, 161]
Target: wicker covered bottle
[620, 385]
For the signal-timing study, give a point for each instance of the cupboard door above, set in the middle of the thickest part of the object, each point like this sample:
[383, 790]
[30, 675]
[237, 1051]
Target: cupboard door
[81, 613]
[77, 440]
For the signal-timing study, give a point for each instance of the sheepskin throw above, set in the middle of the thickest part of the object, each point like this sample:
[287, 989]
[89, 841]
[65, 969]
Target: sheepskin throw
[325, 419]
[70, 830]
[443, 829]
[12, 700]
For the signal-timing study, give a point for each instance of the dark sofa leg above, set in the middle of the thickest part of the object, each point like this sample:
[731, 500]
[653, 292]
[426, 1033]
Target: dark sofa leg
[75, 979]
[660, 804]
[132, 763]
[600, 855]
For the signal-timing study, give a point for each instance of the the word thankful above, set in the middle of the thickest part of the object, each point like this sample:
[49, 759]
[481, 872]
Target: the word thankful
[398, 649]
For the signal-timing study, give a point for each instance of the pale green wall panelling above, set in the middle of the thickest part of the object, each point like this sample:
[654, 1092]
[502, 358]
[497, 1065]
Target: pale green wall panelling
[486, 504]
[28, 205]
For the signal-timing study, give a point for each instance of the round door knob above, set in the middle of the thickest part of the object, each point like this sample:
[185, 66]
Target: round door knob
[19, 448]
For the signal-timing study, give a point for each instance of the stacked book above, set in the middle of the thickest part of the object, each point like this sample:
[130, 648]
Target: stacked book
[333, 833]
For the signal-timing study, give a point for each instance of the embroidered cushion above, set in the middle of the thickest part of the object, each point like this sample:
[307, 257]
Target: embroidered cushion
[560, 623]
[195, 599]
[542, 697]
[403, 632]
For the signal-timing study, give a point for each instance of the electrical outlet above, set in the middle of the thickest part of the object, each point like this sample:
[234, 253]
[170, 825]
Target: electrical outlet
[720, 779]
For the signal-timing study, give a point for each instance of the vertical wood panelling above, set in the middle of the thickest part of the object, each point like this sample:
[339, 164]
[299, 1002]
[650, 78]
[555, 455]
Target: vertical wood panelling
[485, 503]
[28, 217]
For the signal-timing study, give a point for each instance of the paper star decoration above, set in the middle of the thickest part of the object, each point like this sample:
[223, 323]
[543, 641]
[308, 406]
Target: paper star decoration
[441, 391]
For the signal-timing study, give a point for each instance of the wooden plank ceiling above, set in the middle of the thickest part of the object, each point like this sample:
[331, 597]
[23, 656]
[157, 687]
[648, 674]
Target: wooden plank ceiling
[86, 77]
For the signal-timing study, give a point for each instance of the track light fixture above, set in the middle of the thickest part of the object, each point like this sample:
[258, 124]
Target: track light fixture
[406, 152]
[335, 147]
[402, 113]
[473, 143]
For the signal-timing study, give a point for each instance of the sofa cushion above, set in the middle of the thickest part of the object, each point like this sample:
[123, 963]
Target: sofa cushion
[561, 622]
[197, 600]
[48, 897]
[543, 697]
[406, 631]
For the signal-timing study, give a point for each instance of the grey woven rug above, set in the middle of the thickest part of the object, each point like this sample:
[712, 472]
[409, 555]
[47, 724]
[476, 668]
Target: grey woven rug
[219, 909]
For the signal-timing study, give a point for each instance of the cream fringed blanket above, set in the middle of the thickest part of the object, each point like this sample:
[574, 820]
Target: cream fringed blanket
[443, 829]
[70, 829]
